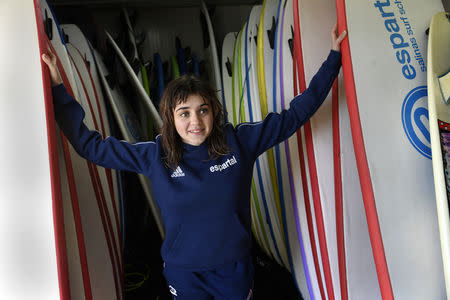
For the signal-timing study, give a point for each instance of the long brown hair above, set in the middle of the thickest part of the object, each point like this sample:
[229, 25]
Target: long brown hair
[176, 92]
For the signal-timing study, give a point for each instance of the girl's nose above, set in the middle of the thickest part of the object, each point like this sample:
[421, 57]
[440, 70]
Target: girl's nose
[195, 118]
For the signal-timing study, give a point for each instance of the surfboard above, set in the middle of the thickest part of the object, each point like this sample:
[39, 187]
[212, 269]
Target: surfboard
[233, 118]
[262, 165]
[266, 29]
[135, 61]
[33, 237]
[175, 68]
[385, 82]
[108, 206]
[283, 92]
[130, 130]
[105, 209]
[287, 158]
[320, 141]
[135, 81]
[259, 220]
[227, 74]
[212, 50]
[438, 67]
[80, 52]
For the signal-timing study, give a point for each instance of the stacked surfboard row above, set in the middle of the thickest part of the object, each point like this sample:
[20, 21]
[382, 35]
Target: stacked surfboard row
[64, 240]
[90, 258]
[347, 203]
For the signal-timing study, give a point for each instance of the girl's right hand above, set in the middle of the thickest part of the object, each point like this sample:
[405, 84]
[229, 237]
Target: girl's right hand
[337, 38]
[50, 59]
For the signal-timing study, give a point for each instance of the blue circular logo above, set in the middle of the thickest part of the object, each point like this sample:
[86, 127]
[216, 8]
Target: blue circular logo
[415, 120]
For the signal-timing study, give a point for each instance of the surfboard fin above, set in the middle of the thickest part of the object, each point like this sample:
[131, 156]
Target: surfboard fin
[271, 33]
[291, 42]
[48, 26]
[87, 61]
[65, 36]
[229, 67]
[444, 85]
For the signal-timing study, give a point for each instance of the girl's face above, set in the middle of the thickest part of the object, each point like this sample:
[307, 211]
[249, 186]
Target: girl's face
[193, 120]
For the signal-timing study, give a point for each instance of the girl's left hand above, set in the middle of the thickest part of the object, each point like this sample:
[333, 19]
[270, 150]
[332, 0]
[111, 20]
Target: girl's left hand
[335, 39]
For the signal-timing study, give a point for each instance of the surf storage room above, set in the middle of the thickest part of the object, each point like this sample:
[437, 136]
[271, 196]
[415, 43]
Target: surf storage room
[353, 205]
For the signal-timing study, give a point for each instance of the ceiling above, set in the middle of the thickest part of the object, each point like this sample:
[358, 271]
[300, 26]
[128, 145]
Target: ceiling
[153, 3]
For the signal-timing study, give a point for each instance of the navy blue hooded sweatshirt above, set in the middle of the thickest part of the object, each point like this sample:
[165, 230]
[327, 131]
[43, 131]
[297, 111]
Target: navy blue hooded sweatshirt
[205, 203]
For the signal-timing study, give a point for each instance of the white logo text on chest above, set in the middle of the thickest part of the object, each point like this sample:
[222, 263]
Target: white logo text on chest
[225, 165]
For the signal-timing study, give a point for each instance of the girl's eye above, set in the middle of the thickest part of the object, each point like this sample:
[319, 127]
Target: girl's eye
[183, 115]
[203, 110]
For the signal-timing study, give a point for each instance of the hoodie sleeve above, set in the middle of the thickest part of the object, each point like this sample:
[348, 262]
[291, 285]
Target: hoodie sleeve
[110, 152]
[277, 127]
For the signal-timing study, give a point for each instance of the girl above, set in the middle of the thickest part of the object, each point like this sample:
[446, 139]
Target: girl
[201, 170]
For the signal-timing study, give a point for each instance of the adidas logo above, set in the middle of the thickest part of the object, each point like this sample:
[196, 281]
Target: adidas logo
[177, 173]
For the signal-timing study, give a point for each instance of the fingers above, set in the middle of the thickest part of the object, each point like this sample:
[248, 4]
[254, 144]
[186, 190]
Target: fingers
[46, 59]
[50, 60]
[342, 36]
[336, 40]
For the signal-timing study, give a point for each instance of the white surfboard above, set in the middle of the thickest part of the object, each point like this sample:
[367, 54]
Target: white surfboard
[227, 74]
[277, 232]
[135, 61]
[259, 218]
[136, 83]
[322, 156]
[234, 111]
[81, 45]
[80, 53]
[262, 173]
[385, 81]
[130, 129]
[214, 58]
[439, 114]
[304, 270]
[105, 208]
[265, 50]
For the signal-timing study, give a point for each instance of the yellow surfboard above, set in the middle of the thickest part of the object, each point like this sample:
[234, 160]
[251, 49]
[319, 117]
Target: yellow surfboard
[267, 12]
